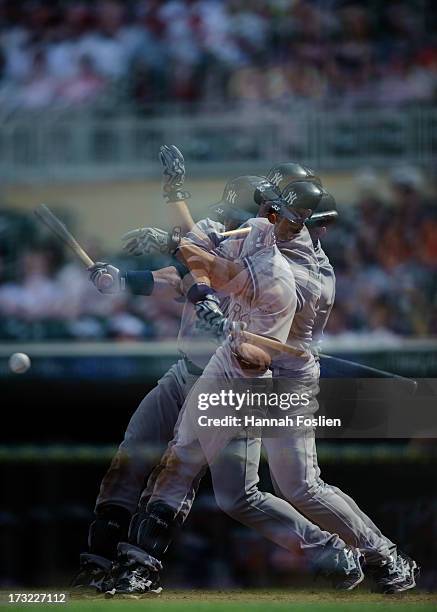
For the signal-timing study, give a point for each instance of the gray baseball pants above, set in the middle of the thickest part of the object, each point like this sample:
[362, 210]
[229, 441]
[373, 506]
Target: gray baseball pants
[233, 459]
[296, 478]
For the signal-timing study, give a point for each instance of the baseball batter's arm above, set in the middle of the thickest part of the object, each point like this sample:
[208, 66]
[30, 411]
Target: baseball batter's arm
[180, 216]
[211, 269]
[167, 282]
[173, 183]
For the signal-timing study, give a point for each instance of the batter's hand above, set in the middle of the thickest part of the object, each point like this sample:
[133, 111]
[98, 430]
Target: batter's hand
[237, 336]
[146, 241]
[210, 316]
[100, 268]
[173, 178]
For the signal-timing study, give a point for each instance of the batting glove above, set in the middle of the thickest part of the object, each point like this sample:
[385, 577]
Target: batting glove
[146, 241]
[236, 333]
[173, 179]
[211, 318]
[96, 277]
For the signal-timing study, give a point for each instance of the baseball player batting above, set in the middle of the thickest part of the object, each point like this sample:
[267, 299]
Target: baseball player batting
[277, 175]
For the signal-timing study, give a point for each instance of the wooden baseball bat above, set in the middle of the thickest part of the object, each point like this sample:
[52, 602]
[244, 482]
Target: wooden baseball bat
[407, 383]
[236, 232]
[56, 226]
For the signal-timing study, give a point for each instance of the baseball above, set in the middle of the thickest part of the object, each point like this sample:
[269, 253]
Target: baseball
[19, 363]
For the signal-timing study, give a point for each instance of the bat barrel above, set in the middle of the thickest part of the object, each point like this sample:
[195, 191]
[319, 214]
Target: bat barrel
[51, 221]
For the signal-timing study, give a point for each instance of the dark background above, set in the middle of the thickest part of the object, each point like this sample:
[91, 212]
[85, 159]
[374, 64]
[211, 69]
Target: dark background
[56, 445]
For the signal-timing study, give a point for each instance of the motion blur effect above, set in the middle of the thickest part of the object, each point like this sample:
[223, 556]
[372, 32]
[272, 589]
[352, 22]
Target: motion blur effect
[152, 129]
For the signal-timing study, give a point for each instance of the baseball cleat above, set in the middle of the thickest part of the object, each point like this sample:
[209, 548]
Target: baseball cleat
[92, 572]
[410, 571]
[136, 574]
[395, 575]
[343, 567]
[108, 583]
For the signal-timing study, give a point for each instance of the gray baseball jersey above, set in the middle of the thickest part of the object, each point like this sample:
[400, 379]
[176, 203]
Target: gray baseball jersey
[263, 295]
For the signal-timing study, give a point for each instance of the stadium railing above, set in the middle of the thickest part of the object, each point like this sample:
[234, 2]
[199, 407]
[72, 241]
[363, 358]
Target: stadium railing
[82, 146]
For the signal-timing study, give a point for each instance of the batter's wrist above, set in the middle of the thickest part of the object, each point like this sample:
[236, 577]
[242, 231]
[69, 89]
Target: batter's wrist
[181, 268]
[201, 291]
[174, 240]
[139, 282]
[175, 196]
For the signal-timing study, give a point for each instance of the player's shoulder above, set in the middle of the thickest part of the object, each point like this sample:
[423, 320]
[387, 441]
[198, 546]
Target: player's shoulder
[305, 237]
[300, 246]
[303, 240]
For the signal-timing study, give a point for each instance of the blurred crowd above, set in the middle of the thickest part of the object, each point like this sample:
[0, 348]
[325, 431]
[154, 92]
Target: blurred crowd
[384, 253]
[45, 293]
[138, 53]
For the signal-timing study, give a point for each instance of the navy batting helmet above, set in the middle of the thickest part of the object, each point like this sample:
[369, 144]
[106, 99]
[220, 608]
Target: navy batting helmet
[298, 197]
[242, 197]
[326, 211]
[288, 172]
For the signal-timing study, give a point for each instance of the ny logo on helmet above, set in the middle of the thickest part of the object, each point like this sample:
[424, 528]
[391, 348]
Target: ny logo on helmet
[264, 185]
[231, 196]
[276, 178]
[290, 197]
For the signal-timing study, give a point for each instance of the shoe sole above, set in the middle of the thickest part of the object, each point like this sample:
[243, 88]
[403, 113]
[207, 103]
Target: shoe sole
[152, 593]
